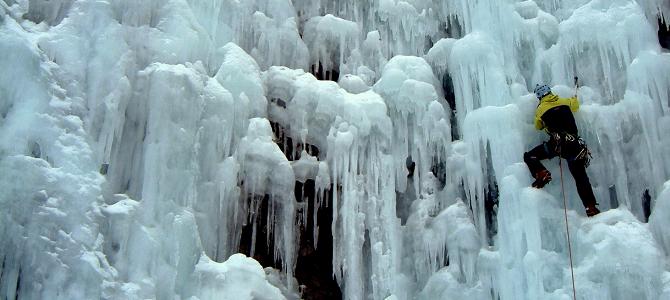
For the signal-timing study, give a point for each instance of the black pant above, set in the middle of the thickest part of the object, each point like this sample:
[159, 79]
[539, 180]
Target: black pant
[567, 150]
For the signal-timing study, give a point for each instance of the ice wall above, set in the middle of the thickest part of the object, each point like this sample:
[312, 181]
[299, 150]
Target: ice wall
[141, 148]
[51, 191]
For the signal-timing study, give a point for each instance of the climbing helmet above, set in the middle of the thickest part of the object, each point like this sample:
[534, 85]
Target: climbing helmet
[542, 90]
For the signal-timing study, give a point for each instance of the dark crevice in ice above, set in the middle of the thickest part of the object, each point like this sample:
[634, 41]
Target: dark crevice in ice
[491, 199]
[453, 27]
[35, 150]
[291, 151]
[439, 169]
[646, 205]
[663, 34]
[314, 267]
[255, 241]
[256, 230]
[18, 285]
[450, 97]
[405, 198]
[367, 268]
[322, 74]
[428, 43]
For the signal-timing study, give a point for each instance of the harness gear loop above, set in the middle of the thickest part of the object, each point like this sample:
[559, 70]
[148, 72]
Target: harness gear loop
[582, 151]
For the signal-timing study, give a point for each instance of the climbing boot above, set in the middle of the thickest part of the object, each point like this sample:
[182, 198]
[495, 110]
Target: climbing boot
[592, 210]
[541, 179]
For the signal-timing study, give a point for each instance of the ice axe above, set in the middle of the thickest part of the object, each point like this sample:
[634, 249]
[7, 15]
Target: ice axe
[576, 85]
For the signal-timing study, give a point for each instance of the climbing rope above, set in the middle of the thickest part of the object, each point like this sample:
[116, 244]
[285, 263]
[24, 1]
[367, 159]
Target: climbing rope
[567, 230]
[565, 210]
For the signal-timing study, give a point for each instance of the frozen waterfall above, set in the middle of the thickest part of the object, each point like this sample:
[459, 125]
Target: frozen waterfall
[316, 149]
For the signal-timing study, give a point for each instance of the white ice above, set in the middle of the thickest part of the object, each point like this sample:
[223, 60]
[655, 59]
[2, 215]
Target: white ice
[139, 138]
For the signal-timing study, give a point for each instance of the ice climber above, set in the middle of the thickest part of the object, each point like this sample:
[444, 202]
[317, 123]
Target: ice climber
[554, 115]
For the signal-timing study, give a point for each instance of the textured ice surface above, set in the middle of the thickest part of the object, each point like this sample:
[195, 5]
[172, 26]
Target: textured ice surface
[141, 141]
[239, 277]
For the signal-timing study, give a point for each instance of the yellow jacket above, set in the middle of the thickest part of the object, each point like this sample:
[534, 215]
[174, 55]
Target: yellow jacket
[550, 101]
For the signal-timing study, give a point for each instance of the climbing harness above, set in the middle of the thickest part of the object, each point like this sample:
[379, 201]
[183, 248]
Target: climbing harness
[578, 150]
